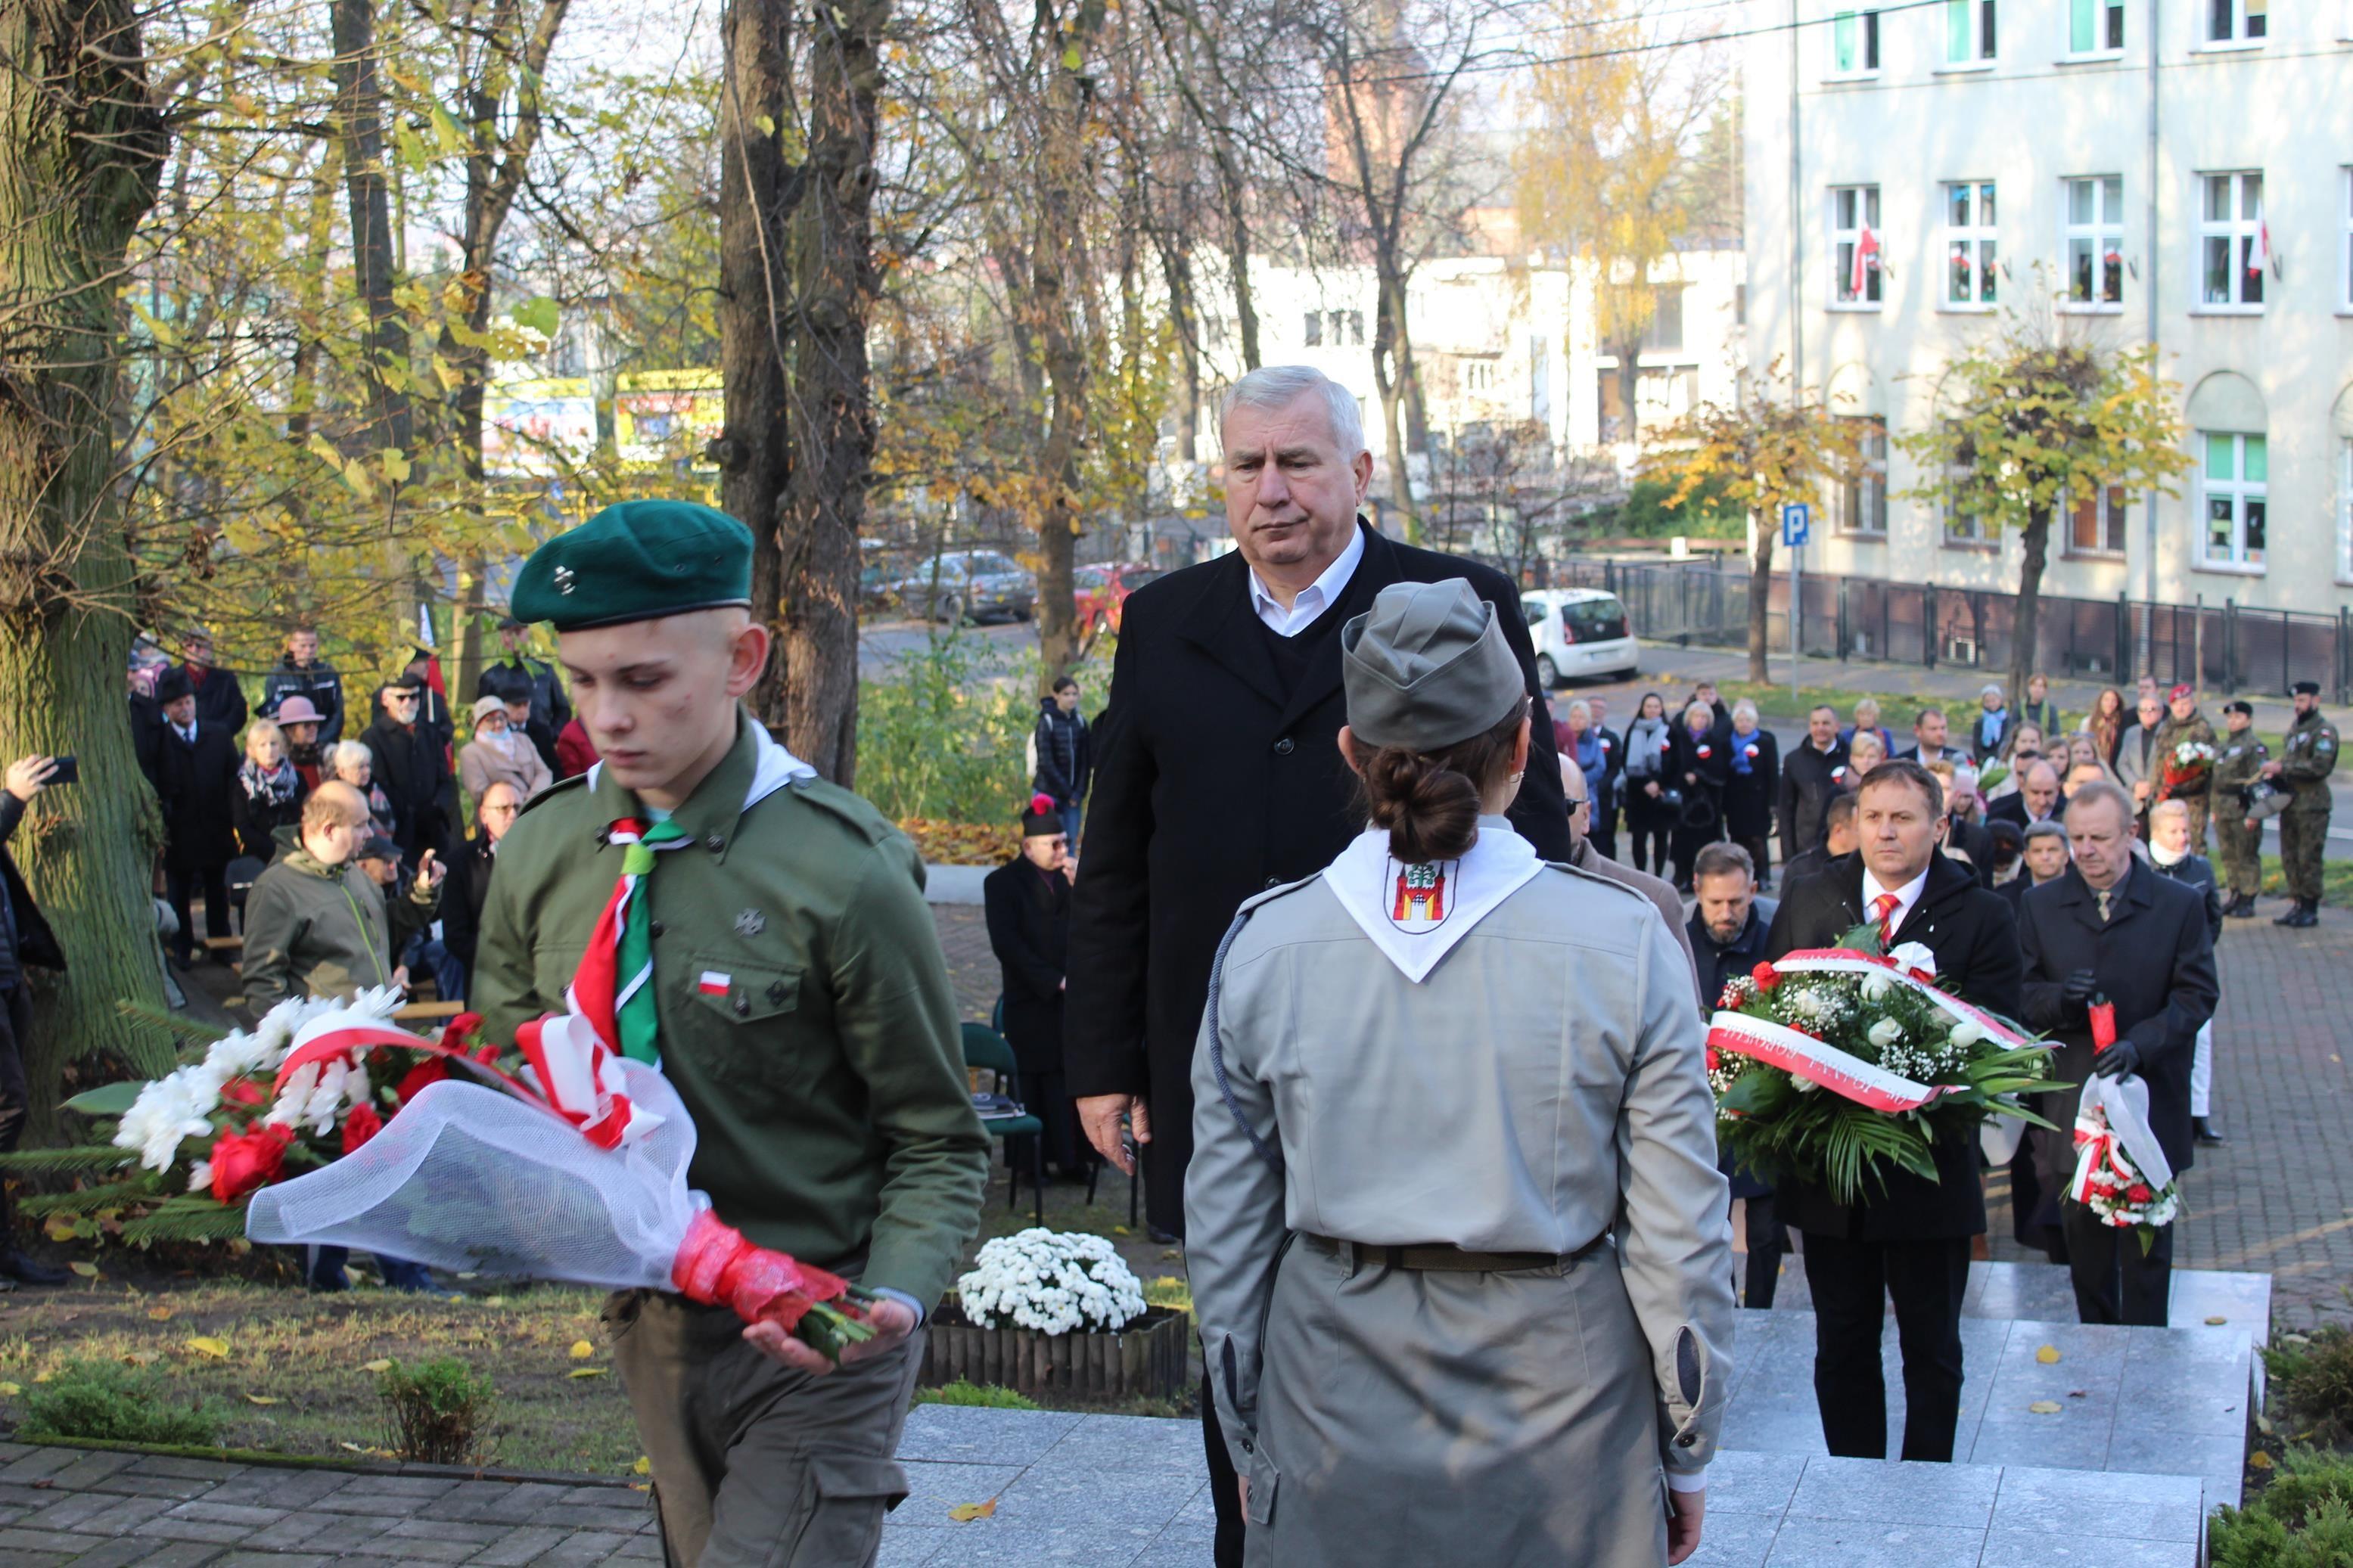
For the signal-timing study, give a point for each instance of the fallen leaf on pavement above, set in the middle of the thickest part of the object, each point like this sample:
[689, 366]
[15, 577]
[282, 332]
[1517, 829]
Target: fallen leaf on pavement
[161, 1314]
[2216, 1323]
[207, 1345]
[582, 1350]
[644, 1466]
[2048, 1355]
[966, 1512]
[2260, 1459]
[2044, 1407]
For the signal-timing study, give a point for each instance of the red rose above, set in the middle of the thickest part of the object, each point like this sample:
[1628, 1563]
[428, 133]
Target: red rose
[245, 1160]
[2138, 1193]
[1765, 976]
[241, 1091]
[361, 1125]
[432, 1070]
[1714, 1061]
[454, 1033]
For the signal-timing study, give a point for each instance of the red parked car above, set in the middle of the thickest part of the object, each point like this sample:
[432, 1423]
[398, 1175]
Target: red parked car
[1099, 592]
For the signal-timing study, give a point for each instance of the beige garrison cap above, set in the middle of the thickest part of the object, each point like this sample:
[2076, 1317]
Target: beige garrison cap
[1427, 666]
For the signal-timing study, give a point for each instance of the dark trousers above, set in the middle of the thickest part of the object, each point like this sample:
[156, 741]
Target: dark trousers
[1604, 834]
[1225, 1487]
[1768, 1243]
[15, 1098]
[1851, 1282]
[1649, 827]
[179, 882]
[1760, 854]
[2115, 1282]
[1688, 843]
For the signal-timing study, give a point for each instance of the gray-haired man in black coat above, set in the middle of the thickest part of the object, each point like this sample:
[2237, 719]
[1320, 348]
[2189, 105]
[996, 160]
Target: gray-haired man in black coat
[2111, 927]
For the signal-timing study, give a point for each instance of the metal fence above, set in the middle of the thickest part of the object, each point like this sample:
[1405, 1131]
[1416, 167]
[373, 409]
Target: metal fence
[2223, 647]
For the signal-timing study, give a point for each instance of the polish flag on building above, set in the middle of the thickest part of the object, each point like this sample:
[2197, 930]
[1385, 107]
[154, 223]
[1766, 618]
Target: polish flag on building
[2259, 259]
[1866, 256]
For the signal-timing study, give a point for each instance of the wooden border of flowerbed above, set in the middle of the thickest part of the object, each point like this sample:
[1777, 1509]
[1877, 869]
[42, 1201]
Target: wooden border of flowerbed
[1146, 1359]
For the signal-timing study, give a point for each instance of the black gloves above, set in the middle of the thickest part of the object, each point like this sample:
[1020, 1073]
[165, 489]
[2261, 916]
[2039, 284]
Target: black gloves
[2118, 1059]
[2076, 991]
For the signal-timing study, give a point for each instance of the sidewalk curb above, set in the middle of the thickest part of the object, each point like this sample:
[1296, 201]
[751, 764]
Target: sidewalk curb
[953, 884]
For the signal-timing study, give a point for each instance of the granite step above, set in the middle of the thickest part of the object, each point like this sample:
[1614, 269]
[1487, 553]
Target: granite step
[2041, 1292]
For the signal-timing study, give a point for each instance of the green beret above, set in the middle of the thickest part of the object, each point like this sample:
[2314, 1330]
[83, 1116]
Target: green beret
[637, 561]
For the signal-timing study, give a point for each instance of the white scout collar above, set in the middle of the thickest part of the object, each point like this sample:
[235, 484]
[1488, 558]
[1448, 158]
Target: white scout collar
[1415, 914]
[772, 770]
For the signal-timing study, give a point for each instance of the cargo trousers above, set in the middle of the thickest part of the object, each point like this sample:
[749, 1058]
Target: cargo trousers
[756, 1464]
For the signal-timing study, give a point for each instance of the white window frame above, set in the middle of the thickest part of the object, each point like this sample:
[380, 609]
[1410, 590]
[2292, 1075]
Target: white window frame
[2244, 496]
[2239, 230]
[2238, 14]
[1860, 30]
[1863, 493]
[1975, 241]
[1949, 508]
[2344, 239]
[2103, 227]
[1979, 34]
[2113, 514]
[1478, 376]
[1843, 239]
[2107, 21]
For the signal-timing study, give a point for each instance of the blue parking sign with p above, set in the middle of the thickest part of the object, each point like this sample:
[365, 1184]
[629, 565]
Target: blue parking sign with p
[1797, 521]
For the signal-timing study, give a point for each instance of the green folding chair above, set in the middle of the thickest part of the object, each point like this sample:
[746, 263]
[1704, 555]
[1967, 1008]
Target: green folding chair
[1095, 1161]
[985, 1047]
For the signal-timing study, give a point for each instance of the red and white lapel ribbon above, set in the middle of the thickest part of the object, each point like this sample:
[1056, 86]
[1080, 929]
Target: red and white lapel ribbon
[2112, 1129]
[1842, 1072]
[597, 988]
[571, 1075]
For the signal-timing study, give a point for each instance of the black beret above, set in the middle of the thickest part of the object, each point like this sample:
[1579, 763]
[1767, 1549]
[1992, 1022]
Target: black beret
[2305, 688]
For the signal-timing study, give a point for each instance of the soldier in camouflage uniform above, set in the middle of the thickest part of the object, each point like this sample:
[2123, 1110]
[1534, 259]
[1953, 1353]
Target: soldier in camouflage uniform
[2240, 764]
[2306, 758]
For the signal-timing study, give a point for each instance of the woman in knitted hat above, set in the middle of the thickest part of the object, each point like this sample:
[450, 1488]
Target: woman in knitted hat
[1433, 1082]
[499, 751]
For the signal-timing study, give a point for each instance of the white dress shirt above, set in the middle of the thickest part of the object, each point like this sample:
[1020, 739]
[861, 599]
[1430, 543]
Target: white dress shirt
[1314, 599]
[1906, 896]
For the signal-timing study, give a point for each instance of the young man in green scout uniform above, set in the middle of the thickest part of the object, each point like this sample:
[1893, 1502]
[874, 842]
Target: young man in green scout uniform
[778, 960]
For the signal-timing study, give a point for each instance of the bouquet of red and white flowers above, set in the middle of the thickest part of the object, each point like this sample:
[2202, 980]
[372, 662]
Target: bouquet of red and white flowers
[2121, 1172]
[183, 1153]
[2186, 766]
[1834, 1063]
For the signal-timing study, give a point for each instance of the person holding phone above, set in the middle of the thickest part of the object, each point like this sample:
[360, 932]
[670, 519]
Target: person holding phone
[24, 939]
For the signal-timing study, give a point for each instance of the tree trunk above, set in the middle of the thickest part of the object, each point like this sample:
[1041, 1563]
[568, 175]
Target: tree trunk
[1629, 386]
[359, 121]
[824, 492]
[753, 451]
[1760, 593]
[2035, 539]
[78, 166]
[1388, 327]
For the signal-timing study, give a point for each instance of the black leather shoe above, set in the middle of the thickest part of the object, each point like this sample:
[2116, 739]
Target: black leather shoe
[2289, 917]
[2309, 915]
[2241, 907]
[26, 1271]
[2207, 1135]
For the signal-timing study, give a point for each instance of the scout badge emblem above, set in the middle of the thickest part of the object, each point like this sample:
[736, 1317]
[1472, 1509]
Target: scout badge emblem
[1419, 895]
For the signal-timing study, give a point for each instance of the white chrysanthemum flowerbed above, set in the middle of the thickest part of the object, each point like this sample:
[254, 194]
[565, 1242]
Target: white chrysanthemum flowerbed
[1056, 1282]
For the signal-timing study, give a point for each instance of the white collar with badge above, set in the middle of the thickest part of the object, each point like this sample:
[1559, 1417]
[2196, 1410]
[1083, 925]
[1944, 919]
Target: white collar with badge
[1415, 914]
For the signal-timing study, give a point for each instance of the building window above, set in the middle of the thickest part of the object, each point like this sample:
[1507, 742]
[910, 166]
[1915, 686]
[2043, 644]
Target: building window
[2236, 241]
[2095, 26]
[2237, 21]
[1862, 493]
[1969, 33]
[1854, 244]
[2094, 235]
[1962, 523]
[1665, 332]
[2095, 523]
[2345, 223]
[1855, 43]
[1314, 339]
[2234, 484]
[1969, 243]
[1478, 375]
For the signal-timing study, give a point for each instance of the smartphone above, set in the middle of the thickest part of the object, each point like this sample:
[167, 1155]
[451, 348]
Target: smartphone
[69, 771]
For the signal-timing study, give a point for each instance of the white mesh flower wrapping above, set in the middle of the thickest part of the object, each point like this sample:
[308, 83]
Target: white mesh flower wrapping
[470, 1178]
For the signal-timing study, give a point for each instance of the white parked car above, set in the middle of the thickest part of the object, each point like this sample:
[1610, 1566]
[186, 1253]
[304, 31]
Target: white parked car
[1579, 631]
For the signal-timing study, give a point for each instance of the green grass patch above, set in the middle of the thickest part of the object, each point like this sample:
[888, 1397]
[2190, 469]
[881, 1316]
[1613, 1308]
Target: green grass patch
[986, 1395]
[108, 1401]
[2336, 885]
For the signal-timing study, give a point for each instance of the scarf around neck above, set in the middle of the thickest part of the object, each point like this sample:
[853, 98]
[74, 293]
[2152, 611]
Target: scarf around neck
[275, 787]
[1415, 914]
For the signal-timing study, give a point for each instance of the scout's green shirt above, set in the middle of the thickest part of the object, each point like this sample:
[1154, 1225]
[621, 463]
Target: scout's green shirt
[806, 1015]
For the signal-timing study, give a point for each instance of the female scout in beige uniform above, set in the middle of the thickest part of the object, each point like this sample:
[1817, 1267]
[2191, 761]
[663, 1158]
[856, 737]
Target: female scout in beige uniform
[1457, 1239]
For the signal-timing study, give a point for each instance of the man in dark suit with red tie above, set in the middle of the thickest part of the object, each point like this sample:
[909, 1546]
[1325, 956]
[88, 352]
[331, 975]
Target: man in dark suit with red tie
[1908, 1239]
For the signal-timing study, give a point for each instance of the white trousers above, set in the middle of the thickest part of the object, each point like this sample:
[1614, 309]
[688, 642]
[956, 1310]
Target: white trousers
[2202, 1069]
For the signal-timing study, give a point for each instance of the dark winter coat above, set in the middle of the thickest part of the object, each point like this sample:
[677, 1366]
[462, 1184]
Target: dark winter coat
[462, 892]
[219, 699]
[1066, 763]
[2198, 872]
[1697, 764]
[31, 940]
[1748, 797]
[259, 817]
[1214, 782]
[197, 784]
[1971, 932]
[1029, 914]
[413, 767]
[316, 680]
[1809, 779]
[2154, 960]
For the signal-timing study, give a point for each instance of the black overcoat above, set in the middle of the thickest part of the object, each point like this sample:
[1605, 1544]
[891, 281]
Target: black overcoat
[1975, 939]
[1809, 779]
[1212, 786]
[2153, 959]
[197, 784]
[1748, 797]
[413, 765]
[1029, 915]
